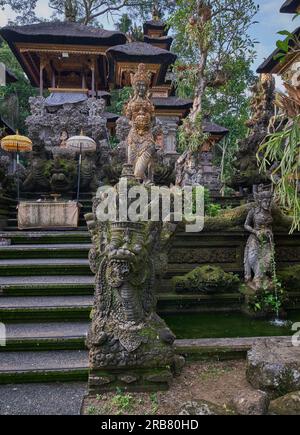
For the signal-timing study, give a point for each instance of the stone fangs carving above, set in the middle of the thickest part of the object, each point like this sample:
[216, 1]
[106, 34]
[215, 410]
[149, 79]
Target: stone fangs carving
[127, 336]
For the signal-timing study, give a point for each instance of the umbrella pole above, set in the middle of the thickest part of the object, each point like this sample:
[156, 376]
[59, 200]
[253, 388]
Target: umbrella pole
[79, 174]
[18, 175]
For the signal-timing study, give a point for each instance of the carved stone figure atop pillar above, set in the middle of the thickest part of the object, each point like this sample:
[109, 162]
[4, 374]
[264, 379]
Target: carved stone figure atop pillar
[259, 253]
[130, 346]
[140, 111]
[246, 171]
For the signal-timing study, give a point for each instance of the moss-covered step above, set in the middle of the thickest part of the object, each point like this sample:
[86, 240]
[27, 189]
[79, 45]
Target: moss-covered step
[218, 349]
[38, 267]
[45, 251]
[169, 303]
[46, 237]
[38, 367]
[45, 336]
[28, 309]
[13, 222]
[47, 286]
[290, 277]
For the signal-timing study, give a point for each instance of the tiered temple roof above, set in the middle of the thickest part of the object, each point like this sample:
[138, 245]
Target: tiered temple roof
[67, 55]
[124, 59]
[75, 62]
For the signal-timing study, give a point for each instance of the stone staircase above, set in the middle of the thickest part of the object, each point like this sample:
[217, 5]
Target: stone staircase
[46, 295]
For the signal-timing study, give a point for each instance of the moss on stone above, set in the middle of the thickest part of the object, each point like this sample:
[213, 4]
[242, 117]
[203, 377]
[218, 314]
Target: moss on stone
[290, 277]
[234, 219]
[206, 279]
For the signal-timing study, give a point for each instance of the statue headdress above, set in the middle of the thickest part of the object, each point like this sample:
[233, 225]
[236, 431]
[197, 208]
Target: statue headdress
[263, 192]
[142, 75]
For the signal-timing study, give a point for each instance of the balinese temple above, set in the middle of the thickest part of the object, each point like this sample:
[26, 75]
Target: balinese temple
[272, 64]
[65, 58]
[72, 62]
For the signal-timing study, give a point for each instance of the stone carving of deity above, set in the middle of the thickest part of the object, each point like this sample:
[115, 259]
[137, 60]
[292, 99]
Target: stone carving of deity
[63, 139]
[140, 111]
[259, 253]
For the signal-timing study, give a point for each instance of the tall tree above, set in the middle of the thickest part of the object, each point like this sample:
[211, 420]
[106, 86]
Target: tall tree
[84, 11]
[213, 35]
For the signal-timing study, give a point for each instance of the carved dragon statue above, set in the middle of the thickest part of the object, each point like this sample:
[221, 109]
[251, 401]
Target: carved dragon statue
[130, 345]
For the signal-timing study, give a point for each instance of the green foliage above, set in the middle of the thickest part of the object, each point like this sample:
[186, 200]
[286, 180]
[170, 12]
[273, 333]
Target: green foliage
[211, 209]
[215, 67]
[123, 402]
[133, 31]
[268, 301]
[14, 97]
[191, 135]
[290, 43]
[280, 155]
[290, 277]
[119, 99]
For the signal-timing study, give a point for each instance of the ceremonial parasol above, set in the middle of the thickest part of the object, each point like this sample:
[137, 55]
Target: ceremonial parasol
[80, 144]
[16, 144]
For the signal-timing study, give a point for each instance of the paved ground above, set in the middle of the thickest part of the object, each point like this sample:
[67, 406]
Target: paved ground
[42, 399]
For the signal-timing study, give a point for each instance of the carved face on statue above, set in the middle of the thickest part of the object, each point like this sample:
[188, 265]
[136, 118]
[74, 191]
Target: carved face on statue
[141, 81]
[141, 89]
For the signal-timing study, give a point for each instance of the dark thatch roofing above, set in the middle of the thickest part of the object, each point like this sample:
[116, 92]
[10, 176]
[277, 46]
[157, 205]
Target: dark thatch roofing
[62, 33]
[290, 6]
[172, 102]
[212, 128]
[8, 129]
[270, 63]
[142, 52]
[111, 117]
[166, 40]
[155, 25]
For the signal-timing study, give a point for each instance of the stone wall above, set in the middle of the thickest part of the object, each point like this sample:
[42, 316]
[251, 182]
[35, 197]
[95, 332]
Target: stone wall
[224, 249]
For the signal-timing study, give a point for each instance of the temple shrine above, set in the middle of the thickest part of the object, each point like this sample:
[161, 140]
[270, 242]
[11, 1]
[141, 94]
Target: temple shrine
[80, 65]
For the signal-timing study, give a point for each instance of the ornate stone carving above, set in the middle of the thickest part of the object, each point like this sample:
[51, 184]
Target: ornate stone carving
[204, 255]
[46, 124]
[140, 111]
[127, 336]
[259, 252]
[197, 169]
[246, 171]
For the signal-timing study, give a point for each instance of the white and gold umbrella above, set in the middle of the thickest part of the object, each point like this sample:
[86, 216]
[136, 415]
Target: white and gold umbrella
[80, 144]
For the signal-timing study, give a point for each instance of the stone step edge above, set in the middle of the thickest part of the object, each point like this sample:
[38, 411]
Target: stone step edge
[206, 349]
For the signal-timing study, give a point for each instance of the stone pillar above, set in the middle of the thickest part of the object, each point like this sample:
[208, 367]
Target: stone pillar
[130, 346]
[170, 127]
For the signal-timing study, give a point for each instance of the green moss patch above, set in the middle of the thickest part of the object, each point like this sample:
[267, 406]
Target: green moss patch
[206, 279]
[290, 277]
